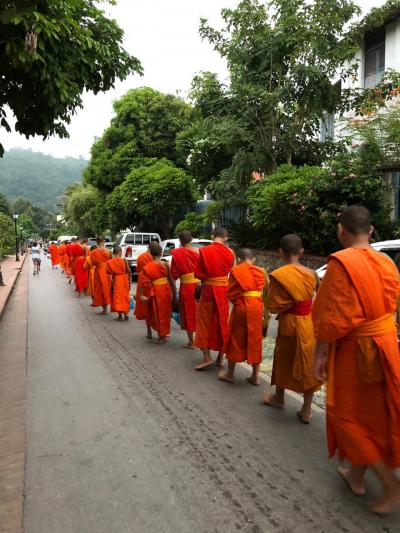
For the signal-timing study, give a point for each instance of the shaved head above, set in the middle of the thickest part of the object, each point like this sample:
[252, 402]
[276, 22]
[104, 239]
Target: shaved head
[291, 245]
[356, 219]
[245, 253]
[220, 233]
[155, 249]
[185, 237]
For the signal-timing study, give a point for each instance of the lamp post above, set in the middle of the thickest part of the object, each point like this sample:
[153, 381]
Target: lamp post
[15, 217]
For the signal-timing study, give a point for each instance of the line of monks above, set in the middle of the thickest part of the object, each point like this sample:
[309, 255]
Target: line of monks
[342, 332]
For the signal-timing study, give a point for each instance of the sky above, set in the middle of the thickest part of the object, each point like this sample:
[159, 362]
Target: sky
[163, 35]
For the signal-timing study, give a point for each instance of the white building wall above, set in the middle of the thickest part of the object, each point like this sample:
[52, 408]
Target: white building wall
[392, 52]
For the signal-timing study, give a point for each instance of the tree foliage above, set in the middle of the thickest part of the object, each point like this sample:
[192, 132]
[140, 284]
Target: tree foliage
[50, 53]
[7, 238]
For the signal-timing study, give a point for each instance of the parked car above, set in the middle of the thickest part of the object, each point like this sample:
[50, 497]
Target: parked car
[390, 248]
[171, 244]
[135, 243]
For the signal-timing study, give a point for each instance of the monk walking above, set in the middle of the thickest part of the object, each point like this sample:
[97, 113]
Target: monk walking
[142, 311]
[54, 254]
[102, 287]
[90, 268]
[212, 329]
[184, 262]
[120, 273]
[158, 289]
[246, 285]
[290, 296]
[62, 252]
[79, 250]
[357, 351]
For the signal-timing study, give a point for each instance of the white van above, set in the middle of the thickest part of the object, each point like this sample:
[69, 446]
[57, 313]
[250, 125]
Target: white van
[135, 243]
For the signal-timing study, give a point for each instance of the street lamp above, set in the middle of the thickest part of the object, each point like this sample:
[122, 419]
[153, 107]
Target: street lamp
[15, 217]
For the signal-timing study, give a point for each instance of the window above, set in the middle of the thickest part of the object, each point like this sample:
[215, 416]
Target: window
[155, 238]
[168, 249]
[327, 127]
[146, 239]
[130, 238]
[374, 60]
[138, 238]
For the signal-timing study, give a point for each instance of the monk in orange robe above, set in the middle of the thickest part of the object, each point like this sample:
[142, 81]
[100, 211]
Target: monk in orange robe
[212, 328]
[62, 252]
[246, 286]
[102, 286]
[90, 268]
[358, 351]
[142, 307]
[290, 296]
[158, 289]
[79, 250]
[54, 254]
[120, 273]
[68, 261]
[184, 262]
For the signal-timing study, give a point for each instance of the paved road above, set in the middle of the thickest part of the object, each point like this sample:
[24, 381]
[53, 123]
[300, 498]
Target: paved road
[124, 437]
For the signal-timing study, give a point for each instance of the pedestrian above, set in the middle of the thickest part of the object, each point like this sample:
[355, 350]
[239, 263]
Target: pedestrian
[62, 253]
[246, 285]
[36, 260]
[120, 273]
[357, 351]
[290, 297]
[90, 268]
[79, 251]
[54, 254]
[158, 290]
[101, 280]
[184, 262]
[69, 261]
[142, 307]
[212, 329]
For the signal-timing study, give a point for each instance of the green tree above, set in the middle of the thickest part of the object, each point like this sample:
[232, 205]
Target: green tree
[146, 125]
[4, 204]
[196, 223]
[40, 219]
[80, 205]
[155, 196]
[7, 238]
[51, 52]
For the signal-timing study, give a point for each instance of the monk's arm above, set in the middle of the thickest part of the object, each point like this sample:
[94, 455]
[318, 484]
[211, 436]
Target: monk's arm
[234, 291]
[279, 299]
[320, 360]
[174, 270]
[171, 281]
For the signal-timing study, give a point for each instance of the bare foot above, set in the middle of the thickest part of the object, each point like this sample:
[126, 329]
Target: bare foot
[204, 365]
[118, 319]
[126, 317]
[254, 382]
[388, 504]
[149, 337]
[223, 376]
[219, 362]
[356, 486]
[304, 419]
[188, 346]
[270, 399]
[103, 313]
[159, 341]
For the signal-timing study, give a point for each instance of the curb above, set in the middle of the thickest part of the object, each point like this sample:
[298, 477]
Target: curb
[11, 288]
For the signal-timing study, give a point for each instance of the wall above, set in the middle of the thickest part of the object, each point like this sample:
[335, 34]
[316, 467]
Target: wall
[271, 260]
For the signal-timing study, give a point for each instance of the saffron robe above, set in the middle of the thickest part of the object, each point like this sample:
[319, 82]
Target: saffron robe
[354, 312]
[212, 329]
[68, 260]
[90, 269]
[155, 286]
[62, 252]
[246, 319]
[55, 256]
[142, 308]
[184, 262]
[290, 296]
[102, 286]
[120, 285]
[81, 275]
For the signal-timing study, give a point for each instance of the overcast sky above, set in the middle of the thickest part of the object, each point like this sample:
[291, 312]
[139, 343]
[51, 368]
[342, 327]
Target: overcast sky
[163, 34]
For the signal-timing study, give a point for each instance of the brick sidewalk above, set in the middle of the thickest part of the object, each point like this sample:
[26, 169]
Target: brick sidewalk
[13, 335]
[10, 270]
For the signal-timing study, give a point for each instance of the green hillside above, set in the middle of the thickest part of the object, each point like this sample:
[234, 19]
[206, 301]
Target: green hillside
[40, 178]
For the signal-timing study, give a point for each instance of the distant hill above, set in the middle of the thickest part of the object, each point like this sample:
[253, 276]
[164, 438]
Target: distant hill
[40, 178]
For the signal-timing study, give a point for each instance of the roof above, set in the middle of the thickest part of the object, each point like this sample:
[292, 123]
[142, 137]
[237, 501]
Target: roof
[376, 18]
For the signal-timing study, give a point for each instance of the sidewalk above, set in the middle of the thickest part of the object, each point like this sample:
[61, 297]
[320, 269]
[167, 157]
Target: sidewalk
[10, 269]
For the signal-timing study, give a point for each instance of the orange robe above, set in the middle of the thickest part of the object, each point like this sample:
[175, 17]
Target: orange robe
[90, 269]
[68, 259]
[246, 284]
[212, 329]
[120, 285]
[62, 252]
[156, 287]
[78, 253]
[102, 287]
[354, 312]
[290, 297]
[142, 308]
[184, 262]
[55, 256]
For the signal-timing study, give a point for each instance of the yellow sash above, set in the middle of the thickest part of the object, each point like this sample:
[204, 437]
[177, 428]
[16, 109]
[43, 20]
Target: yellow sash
[160, 281]
[185, 279]
[217, 282]
[252, 294]
[368, 360]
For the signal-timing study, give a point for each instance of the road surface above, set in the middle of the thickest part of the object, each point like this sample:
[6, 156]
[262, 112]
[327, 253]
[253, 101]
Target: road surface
[124, 437]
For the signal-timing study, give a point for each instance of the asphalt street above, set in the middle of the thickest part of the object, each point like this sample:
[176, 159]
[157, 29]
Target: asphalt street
[124, 436]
